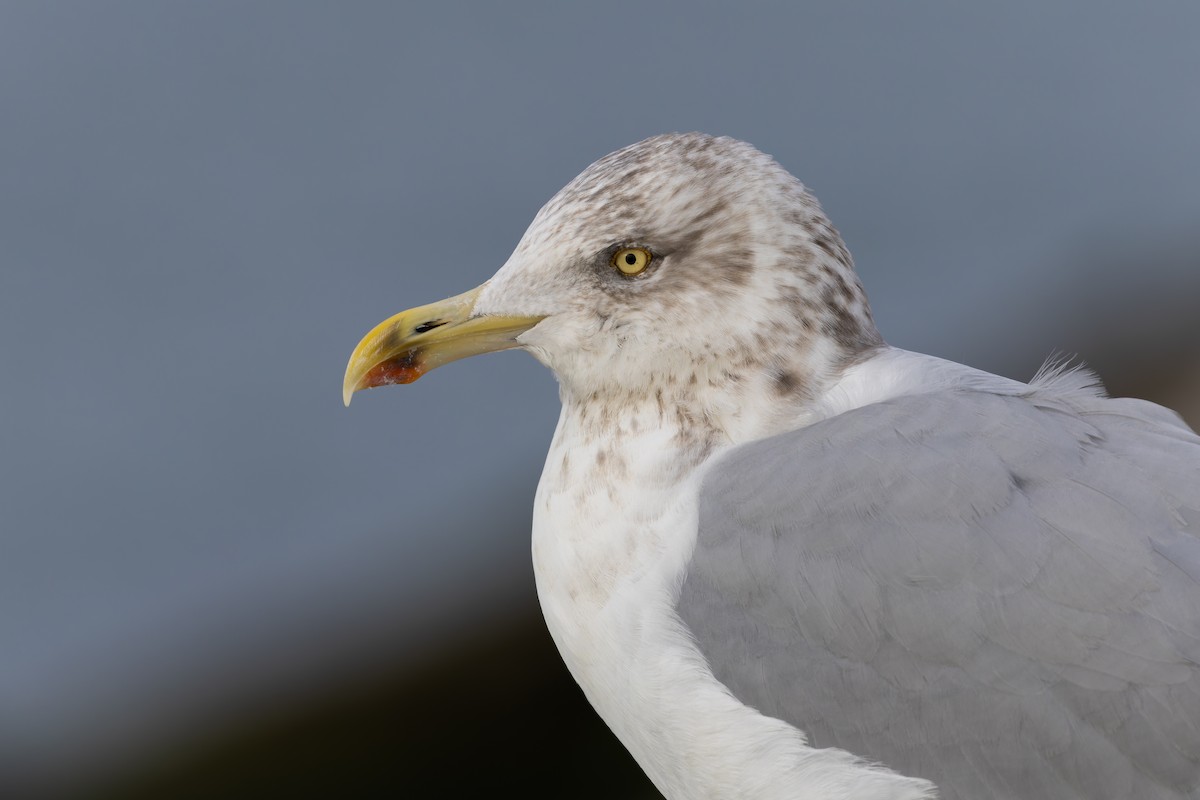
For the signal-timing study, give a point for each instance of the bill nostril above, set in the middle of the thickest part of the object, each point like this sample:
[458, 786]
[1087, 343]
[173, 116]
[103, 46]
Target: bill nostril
[425, 327]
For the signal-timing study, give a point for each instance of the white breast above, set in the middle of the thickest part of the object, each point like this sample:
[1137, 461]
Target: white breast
[612, 535]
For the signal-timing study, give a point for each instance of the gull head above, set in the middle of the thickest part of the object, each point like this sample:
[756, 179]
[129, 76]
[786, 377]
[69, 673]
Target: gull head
[682, 260]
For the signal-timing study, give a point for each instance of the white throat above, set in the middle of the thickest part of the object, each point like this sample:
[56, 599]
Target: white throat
[614, 527]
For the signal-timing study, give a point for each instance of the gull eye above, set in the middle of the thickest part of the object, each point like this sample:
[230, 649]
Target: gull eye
[632, 260]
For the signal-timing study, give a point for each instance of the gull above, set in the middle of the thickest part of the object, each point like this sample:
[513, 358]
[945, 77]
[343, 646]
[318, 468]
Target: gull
[786, 560]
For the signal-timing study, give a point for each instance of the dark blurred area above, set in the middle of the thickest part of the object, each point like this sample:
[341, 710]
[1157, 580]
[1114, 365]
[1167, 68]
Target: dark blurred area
[217, 582]
[523, 728]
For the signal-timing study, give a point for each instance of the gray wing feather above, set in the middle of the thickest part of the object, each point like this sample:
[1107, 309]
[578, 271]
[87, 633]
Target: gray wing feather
[997, 593]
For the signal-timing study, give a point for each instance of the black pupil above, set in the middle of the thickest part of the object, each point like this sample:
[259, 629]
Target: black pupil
[630, 258]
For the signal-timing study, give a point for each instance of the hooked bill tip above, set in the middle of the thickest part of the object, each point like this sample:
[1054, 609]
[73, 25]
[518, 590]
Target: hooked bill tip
[405, 368]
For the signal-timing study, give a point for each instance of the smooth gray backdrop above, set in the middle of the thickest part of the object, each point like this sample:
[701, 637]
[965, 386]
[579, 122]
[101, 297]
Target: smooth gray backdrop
[204, 205]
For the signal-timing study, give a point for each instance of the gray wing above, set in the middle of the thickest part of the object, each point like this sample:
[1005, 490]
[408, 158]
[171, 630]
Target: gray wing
[1000, 594]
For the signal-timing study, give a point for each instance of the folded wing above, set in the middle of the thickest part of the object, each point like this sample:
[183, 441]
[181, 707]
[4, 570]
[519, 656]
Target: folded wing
[997, 593]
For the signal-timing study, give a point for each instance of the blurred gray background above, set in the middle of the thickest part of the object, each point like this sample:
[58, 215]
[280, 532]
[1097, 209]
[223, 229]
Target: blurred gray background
[214, 578]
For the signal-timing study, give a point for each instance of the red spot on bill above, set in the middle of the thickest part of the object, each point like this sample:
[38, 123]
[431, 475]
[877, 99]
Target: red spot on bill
[402, 369]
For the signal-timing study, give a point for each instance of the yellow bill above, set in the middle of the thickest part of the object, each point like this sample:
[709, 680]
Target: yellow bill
[404, 347]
